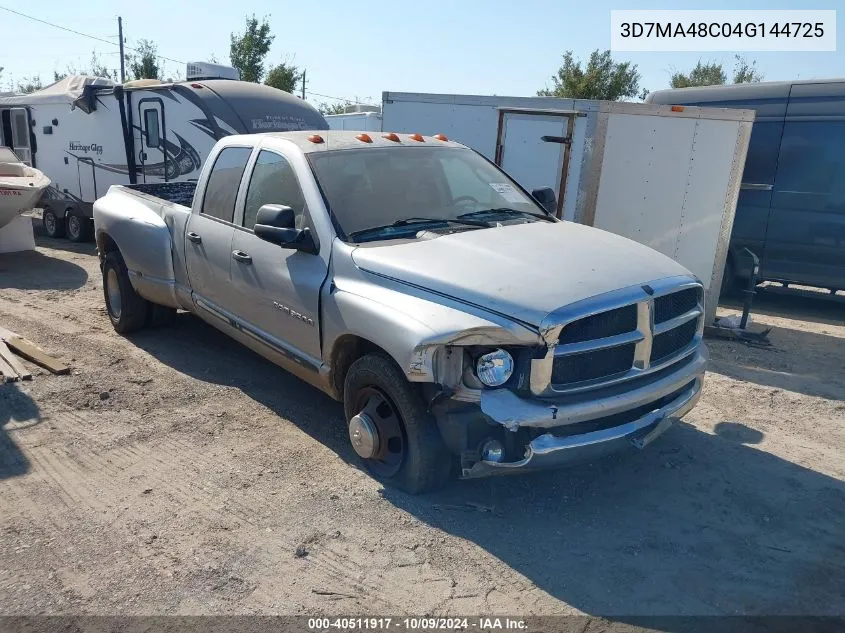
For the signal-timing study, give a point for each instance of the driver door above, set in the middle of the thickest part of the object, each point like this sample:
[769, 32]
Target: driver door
[278, 288]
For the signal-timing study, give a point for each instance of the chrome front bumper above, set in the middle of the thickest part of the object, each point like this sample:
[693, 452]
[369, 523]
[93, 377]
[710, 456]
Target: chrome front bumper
[549, 450]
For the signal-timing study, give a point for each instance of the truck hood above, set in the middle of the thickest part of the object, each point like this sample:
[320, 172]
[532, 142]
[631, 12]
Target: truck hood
[523, 271]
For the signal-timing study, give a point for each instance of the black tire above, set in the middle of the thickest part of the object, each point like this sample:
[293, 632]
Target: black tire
[53, 225]
[425, 463]
[77, 227]
[130, 312]
[160, 316]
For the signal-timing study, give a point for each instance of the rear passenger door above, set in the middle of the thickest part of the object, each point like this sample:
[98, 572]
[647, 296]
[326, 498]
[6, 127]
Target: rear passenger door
[278, 288]
[208, 235]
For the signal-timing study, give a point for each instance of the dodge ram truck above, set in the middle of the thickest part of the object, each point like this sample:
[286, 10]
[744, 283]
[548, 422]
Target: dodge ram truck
[463, 327]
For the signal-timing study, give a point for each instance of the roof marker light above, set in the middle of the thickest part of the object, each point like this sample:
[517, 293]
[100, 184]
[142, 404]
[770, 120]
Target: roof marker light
[393, 136]
[417, 137]
[441, 137]
[364, 138]
[197, 86]
[315, 138]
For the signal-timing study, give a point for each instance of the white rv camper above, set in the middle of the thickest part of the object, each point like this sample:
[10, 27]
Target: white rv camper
[87, 133]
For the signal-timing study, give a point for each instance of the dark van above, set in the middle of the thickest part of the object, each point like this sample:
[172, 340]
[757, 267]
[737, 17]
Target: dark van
[791, 208]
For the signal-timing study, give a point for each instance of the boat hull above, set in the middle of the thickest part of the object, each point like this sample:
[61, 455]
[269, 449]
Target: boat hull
[15, 198]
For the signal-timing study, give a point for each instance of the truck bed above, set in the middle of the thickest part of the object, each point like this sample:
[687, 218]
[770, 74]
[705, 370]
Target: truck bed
[175, 192]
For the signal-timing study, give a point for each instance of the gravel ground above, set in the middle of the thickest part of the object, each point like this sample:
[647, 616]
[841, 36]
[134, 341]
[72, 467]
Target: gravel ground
[177, 472]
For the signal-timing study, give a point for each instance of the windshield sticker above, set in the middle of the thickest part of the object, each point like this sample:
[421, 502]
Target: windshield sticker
[507, 191]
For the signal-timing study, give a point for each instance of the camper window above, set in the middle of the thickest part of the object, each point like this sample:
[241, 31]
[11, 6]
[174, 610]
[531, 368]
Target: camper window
[151, 128]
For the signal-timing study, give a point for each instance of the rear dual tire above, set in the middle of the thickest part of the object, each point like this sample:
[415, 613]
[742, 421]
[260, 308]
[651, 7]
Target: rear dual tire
[127, 310]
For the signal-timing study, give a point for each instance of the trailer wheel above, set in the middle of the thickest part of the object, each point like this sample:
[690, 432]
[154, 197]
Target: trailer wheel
[77, 227]
[126, 308]
[391, 429]
[53, 226]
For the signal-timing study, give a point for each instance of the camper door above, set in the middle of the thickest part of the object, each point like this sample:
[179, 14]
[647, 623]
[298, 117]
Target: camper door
[14, 125]
[152, 157]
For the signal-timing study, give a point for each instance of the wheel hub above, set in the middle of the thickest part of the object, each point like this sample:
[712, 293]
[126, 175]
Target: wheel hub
[113, 293]
[73, 225]
[364, 436]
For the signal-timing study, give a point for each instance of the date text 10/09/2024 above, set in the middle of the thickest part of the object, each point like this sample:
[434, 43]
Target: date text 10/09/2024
[417, 624]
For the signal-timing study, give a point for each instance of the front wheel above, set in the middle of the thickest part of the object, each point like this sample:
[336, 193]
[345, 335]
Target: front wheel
[126, 308]
[391, 429]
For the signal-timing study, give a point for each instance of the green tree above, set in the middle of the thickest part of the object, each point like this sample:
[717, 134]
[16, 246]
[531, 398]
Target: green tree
[746, 72]
[247, 51]
[709, 74]
[99, 69]
[284, 76]
[603, 78]
[143, 64]
[339, 107]
[713, 74]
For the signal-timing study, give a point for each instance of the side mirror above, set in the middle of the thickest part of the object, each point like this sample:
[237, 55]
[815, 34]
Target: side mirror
[277, 215]
[547, 199]
[275, 224]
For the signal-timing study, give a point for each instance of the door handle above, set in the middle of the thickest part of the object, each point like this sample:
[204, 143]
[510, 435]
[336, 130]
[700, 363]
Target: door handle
[242, 257]
[194, 237]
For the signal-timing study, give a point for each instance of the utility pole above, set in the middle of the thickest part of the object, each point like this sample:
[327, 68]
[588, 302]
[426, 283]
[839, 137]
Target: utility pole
[303, 85]
[122, 62]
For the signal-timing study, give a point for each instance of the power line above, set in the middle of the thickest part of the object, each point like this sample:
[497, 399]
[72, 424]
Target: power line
[317, 94]
[93, 37]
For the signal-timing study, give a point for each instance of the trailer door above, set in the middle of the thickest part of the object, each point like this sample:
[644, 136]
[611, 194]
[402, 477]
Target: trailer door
[533, 146]
[152, 155]
[15, 133]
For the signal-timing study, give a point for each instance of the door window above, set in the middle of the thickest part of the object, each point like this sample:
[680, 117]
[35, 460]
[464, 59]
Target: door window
[222, 187]
[151, 127]
[273, 181]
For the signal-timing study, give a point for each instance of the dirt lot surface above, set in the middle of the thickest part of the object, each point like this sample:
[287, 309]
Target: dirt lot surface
[177, 472]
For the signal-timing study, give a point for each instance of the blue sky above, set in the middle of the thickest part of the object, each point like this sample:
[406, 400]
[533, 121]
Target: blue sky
[357, 49]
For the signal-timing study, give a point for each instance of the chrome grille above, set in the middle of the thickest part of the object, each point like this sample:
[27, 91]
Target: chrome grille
[592, 365]
[626, 334]
[675, 304]
[600, 325]
[672, 341]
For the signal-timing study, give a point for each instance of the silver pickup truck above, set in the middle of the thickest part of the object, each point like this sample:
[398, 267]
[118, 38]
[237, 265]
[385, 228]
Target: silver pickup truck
[458, 321]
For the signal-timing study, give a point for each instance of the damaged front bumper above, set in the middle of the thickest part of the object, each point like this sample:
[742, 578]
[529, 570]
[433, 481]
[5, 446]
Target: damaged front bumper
[673, 396]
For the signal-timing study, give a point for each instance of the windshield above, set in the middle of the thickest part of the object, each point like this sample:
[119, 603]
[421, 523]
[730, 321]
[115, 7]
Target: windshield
[391, 190]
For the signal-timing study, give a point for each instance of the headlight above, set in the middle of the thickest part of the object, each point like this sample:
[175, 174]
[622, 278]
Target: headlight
[495, 368]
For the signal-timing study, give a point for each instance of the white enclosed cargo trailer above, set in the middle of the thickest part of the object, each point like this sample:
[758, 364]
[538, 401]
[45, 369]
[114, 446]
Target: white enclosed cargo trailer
[359, 121]
[665, 176]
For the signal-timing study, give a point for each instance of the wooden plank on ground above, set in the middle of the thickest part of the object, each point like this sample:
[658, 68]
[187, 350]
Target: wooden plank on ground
[29, 351]
[13, 362]
[8, 374]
